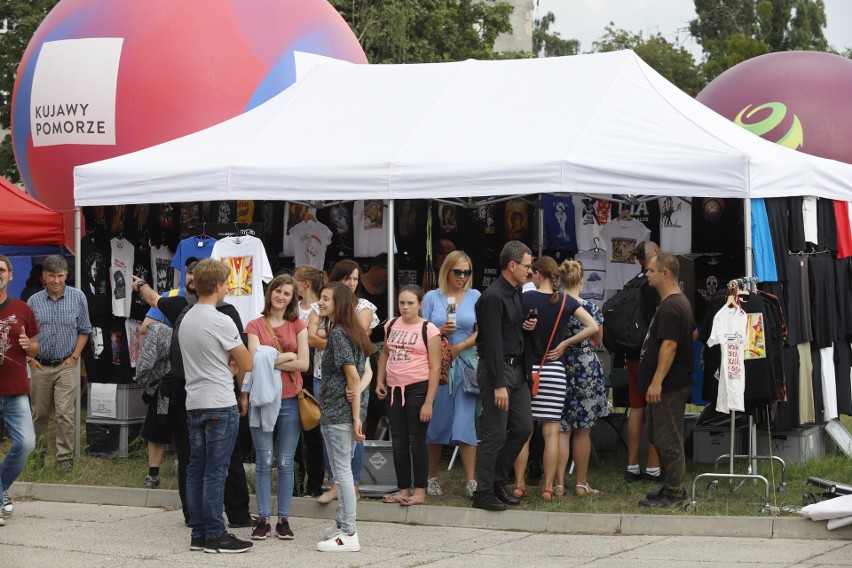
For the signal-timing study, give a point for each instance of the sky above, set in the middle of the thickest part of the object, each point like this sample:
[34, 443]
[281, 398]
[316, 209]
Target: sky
[585, 20]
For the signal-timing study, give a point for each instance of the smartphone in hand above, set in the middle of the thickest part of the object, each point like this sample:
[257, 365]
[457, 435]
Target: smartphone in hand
[532, 314]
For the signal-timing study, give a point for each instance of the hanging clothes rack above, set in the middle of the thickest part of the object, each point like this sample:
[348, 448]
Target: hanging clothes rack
[748, 284]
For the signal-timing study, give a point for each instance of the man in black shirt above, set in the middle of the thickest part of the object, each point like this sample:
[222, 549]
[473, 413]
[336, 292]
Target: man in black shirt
[504, 378]
[665, 376]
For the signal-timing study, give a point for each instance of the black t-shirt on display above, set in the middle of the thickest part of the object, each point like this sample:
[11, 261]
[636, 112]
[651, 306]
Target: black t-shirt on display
[717, 225]
[824, 316]
[712, 273]
[673, 321]
[826, 225]
[96, 257]
[142, 269]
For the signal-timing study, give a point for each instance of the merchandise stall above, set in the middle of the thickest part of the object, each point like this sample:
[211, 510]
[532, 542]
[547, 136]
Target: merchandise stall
[590, 126]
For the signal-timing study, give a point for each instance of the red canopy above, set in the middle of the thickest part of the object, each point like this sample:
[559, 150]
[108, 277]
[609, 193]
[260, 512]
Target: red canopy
[27, 222]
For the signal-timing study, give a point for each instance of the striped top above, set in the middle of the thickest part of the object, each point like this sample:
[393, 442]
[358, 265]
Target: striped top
[61, 321]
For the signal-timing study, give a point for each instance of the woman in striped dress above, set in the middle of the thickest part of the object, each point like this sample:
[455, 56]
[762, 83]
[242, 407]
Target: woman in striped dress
[548, 404]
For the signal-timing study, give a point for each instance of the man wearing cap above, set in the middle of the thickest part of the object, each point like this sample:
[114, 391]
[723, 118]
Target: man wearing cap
[167, 309]
[62, 313]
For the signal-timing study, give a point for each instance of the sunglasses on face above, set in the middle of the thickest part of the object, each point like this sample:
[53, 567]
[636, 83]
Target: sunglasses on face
[462, 273]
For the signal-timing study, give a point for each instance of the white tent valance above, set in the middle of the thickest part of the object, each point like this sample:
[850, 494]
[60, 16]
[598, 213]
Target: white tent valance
[604, 123]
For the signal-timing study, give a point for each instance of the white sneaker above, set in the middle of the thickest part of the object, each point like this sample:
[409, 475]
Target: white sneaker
[434, 487]
[8, 506]
[340, 543]
[2, 518]
[332, 531]
[470, 487]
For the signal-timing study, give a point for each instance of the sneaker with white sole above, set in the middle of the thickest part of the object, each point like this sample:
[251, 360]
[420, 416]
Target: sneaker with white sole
[8, 506]
[283, 530]
[342, 542]
[262, 530]
[2, 518]
[434, 487]
[152, 481]
[470, 487]
[226, 543]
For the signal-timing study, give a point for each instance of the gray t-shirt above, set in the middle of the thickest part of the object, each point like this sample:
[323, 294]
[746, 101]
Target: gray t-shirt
[340, 351]
[206, 339]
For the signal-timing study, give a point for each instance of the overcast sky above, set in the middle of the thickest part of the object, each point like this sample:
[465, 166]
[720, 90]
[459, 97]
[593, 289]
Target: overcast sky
[585, 19]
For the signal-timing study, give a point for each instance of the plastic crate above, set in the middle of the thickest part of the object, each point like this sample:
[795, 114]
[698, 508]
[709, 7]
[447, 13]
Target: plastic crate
[710, 442]
[111, 438]
[127, 402]
[792, 446]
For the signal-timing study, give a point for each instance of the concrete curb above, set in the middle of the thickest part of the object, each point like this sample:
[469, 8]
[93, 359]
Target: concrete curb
[526, 521]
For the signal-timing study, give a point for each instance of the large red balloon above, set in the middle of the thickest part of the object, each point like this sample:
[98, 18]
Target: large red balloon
[101, 78]
[800, 99]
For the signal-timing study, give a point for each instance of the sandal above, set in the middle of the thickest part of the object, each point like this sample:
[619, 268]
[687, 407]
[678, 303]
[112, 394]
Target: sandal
[584, 489]
[547, 495]
[520, 492]
[559, 490]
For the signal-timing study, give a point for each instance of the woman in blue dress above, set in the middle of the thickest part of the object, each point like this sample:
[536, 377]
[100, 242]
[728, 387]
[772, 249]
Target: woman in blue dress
[585, 400]
[454, 410]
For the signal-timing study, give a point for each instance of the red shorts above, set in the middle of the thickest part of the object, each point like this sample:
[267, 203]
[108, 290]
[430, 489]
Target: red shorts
[637, 399]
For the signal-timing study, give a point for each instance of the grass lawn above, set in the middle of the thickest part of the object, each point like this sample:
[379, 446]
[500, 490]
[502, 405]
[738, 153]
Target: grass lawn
[605, 473]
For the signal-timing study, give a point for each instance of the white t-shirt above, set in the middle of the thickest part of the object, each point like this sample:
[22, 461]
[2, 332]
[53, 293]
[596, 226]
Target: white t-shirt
[288, 249]
[249, 266]
[369, 229]
[729, 331]
[310, 240]
[675, 225]
[135, 339]
[120, 276]
[206, 339]
[594, 271]
[589, 216]
[620, 238]
[809, 215]
[161, 268]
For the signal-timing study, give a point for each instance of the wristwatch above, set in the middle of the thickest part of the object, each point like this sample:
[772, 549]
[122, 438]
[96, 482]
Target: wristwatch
[139, 285]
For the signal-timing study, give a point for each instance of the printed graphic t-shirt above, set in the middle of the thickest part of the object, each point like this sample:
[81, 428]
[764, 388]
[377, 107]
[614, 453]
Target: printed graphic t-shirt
[310, 241]
[121, 264]
[621, 237]
[729, 331]
[249, 265]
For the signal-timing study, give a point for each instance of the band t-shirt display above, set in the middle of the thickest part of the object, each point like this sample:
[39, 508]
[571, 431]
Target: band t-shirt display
[310, 240]
[142, 269]
[192, 247]
[559, 221]
[729, 331]
[161, 267]
[590, 215]
[95, 254]
[246, 258]
[620, 238]
[369, 228]
[675, 225]
[594, 273]
[121, 263]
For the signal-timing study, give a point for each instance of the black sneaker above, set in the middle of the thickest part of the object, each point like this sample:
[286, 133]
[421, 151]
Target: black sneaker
[246, 523]
[656, 493]
[152, 481]
[649, 478]
[261, 530]
[664, 500]
[226, 543]
[630, 477]
[196, 543]
[282, 529]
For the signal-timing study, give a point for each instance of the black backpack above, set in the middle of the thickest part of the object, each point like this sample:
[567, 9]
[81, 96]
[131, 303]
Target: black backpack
[625, 325]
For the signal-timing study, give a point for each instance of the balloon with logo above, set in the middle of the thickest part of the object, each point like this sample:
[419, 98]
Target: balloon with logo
[798, 99]
[101, 78]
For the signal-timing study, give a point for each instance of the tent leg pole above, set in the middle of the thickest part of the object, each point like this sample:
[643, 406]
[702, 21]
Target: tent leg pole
[391, 256]
[78, 282]
[540, 226]
[749, 259]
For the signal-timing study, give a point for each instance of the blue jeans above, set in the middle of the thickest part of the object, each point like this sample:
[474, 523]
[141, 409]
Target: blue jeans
[15, 410]
[212, 433]
[357, 457]
[341, 446]
[289, 428]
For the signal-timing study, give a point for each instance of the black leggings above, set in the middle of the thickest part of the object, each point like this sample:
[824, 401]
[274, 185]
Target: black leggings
[408, 435]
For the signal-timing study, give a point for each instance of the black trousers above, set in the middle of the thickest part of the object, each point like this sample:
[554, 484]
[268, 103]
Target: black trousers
[502, 433]
[313, 462]
[408, 435]
[236, 487]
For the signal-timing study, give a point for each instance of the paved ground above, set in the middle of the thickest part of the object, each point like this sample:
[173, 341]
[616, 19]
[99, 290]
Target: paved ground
[68, 534]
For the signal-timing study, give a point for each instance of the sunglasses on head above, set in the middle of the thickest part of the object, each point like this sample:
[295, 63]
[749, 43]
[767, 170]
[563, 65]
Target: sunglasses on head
[462, 273]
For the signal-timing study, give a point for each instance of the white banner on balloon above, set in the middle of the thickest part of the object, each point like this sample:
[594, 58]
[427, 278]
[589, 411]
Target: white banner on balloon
[73, 92]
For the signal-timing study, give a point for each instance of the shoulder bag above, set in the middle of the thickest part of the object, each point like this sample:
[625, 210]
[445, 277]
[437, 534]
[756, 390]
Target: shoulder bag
[310, 411]
[536, 375]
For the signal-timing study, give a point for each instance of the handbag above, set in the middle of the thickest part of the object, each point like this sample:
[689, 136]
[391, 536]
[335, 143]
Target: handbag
[536, 375]
[470, 382]
[310, 411]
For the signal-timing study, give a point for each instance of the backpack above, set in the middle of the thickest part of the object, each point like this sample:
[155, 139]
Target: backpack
[626, 327]
[446, 351]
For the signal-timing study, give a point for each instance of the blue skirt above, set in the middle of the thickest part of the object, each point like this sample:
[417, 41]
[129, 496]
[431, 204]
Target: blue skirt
[453, 416]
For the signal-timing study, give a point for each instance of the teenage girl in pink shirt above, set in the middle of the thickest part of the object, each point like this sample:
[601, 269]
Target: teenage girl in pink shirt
[407, 378]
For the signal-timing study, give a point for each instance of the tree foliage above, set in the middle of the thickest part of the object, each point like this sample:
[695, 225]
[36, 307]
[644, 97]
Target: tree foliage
[731, 31]
[670, 60]
[547, 44]
[22, 20]
[426, 31]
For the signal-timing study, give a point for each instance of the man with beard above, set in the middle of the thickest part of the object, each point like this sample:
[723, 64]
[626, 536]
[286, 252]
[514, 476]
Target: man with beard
[167, 309]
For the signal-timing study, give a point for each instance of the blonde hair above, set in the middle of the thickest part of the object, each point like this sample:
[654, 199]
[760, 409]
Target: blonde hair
[570, 274]
[312, 274]
[207, 274]
[452, 259]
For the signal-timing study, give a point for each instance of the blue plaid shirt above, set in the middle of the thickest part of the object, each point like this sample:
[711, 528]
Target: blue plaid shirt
[61, 321]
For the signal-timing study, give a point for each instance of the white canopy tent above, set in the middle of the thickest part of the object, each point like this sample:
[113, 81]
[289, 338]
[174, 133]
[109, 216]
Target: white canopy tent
[604, 123]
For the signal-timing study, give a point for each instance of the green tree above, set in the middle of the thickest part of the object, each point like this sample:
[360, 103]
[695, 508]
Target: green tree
[426, 31]
[670, 60]
[22, 18]
[731, 31]
[547, 44]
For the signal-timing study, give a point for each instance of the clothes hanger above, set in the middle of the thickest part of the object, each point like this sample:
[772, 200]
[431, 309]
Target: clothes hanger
[597, 248]
[237, 238]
